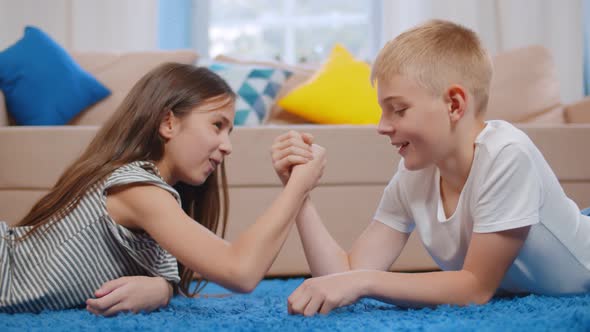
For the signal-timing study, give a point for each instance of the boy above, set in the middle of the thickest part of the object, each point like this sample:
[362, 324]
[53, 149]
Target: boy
[485, 203]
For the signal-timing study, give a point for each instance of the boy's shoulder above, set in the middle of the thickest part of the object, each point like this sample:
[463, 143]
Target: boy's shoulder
[498, 134]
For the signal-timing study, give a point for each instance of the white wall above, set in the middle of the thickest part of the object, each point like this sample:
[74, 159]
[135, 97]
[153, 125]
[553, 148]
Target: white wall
[118, 25]
[507, 24]
[128, 25]
[48, 15]
[557, 25]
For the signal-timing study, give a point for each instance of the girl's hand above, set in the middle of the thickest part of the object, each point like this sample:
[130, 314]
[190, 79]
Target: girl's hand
[130, 294]
[309, 174]
[290, 149]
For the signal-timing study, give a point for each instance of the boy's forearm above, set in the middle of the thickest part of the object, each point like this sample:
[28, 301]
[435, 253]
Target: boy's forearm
[322, 252]
[418, 290]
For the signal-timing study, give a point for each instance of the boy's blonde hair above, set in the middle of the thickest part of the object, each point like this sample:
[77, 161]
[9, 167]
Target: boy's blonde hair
[437, 54]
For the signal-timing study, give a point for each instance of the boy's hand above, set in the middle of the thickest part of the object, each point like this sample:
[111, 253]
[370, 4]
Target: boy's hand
[130, 294]
[290, 149]
[323, 294]
[308, 175]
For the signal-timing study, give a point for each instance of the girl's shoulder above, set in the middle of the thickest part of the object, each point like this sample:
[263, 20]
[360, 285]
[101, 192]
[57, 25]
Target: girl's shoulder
[139, 168]
[140, 172]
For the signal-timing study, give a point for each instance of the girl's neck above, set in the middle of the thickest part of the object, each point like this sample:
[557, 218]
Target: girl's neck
[165, 172]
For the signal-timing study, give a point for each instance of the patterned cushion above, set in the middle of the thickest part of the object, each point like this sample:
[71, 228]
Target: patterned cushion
[256, 87]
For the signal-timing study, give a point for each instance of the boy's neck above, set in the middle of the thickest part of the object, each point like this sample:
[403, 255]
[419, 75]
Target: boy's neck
[455, 169]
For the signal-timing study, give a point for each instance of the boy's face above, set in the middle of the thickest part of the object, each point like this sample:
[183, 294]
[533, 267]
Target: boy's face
[416, 122]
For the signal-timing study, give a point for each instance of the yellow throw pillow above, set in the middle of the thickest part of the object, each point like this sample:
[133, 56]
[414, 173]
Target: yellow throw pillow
[339, 93]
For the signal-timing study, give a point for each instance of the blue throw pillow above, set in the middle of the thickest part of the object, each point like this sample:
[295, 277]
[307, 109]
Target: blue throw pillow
[256, 88]
[42, 84]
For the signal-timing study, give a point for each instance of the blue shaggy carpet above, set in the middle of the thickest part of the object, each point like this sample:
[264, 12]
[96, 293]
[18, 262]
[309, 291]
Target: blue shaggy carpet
[265, 309]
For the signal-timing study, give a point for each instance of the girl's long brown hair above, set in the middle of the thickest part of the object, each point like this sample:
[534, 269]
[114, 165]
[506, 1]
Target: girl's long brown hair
[132, 134]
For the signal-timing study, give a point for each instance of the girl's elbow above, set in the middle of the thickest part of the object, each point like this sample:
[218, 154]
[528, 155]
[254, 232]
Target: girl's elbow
[242, 280]
[245, 285]
[246, 288]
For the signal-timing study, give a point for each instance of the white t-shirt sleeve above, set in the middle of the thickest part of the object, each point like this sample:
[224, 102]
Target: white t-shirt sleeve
[392, 210]
[511, 195]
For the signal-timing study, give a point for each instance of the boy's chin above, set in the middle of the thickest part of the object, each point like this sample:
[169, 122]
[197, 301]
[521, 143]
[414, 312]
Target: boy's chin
[415, 165]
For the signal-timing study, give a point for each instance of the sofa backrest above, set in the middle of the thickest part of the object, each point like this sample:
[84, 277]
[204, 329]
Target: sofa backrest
[525, 87]
[119, 72]
[300, 74]
[4, 119]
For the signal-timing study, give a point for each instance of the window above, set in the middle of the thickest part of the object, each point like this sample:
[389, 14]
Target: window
[293, 31]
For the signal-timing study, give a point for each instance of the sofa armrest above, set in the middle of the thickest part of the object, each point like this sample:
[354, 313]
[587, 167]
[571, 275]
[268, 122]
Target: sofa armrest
[33, 158]
[578, 112]
[3, 111]
[361, 164]
[37, 155]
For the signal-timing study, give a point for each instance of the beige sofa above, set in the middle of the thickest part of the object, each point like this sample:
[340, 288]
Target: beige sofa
[360, 162]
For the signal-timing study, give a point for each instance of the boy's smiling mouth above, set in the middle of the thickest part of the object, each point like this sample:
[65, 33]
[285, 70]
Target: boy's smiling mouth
[401, 146]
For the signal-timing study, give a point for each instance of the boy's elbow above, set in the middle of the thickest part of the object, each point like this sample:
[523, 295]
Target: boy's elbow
[475, 291]
[479, 297]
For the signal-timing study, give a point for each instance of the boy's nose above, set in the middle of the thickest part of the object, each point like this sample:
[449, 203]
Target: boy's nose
[385, 127]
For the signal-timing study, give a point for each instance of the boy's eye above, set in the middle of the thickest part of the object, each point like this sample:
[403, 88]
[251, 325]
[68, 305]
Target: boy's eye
[218, 124]
[400, 111]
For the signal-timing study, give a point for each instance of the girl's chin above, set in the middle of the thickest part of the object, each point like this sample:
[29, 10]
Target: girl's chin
[196, 181]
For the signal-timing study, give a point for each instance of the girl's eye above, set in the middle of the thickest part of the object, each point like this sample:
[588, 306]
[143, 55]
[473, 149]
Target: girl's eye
[218, 125]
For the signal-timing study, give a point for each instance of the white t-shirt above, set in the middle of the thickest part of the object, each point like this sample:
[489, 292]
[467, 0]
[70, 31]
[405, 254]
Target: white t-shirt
[510, 185]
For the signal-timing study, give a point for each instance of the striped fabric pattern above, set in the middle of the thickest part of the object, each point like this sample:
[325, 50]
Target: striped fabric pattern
[62, 265]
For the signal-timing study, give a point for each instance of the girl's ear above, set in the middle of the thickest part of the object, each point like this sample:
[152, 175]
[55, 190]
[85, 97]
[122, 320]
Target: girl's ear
[168, 126]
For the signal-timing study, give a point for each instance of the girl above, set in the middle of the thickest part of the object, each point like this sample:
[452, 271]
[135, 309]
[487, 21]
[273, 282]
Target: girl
[116, 213]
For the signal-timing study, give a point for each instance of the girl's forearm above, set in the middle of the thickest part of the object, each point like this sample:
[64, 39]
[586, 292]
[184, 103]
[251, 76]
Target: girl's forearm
[256, 248]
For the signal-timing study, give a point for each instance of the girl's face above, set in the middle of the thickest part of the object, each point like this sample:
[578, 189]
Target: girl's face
[416, 122]
[196, 144]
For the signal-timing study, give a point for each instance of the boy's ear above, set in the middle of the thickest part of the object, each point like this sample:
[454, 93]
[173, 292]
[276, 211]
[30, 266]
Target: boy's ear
[168, 126]
[456, 98]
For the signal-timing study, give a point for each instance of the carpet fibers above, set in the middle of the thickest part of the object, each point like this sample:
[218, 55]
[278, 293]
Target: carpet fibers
[265, 310]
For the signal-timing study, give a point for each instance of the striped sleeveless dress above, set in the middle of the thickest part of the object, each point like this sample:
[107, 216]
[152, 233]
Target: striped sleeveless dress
[62, 265]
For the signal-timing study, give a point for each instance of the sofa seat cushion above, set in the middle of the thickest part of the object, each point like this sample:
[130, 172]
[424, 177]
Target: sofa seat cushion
[42, 84]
